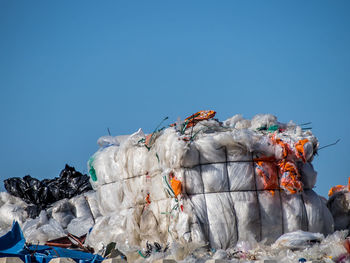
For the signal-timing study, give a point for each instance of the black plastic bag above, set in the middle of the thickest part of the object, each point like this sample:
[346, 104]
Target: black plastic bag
[41, 194]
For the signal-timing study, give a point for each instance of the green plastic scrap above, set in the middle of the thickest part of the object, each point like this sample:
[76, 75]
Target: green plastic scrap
[92, 171]
[273, 128]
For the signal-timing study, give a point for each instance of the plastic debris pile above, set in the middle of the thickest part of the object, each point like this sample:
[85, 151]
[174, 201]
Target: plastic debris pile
[75, 215]
[298, 246]
[198, 189]
[41, 194]
[13, 244]
[201, 182]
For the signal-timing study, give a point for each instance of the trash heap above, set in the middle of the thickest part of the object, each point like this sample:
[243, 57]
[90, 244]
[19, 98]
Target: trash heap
[50, 208]
[41, 194]
[14, 245]
[297, 246]
[202, 182]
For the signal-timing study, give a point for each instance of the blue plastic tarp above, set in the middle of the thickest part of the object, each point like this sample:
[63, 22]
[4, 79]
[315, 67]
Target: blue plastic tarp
[13, 241]
[13, 244]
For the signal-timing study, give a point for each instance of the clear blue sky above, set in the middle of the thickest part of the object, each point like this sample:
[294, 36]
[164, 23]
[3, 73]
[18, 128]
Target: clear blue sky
[70, 69]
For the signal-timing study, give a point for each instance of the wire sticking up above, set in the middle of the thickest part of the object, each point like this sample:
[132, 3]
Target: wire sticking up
[306, 123]
[156, 129]
[328, 145]
[109, 132]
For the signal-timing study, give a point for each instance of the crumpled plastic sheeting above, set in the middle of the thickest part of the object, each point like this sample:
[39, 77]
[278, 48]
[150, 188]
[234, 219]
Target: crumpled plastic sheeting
[292, 246]
[42, 229]
[11, 209]
[223, 200]
[298, 239]
[76, 216]
[289, 248]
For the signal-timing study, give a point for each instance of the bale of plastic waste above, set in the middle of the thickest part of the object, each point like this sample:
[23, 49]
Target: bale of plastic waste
[339, 205]
[238, 180]
[41, 194]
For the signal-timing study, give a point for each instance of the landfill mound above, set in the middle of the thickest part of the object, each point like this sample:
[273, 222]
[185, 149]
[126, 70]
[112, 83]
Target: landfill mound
[202, 182]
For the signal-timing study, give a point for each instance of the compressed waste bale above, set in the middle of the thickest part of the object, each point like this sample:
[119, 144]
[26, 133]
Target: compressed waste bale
[294, 213]
[272, 218]
[43, 193]
[339, 206]
[319, 217]
[239, 179]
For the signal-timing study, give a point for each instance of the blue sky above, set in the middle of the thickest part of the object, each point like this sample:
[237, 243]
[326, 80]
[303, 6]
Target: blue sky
[70, 69]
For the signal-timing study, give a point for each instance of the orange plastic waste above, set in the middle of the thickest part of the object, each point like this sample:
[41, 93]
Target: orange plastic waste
[339, 188]
[148, 199]
[197, 117]
[267, 170]
[336, 189]
[148, 140]
[175, 184]
[299, 149]
[285, 146]
[290, 179]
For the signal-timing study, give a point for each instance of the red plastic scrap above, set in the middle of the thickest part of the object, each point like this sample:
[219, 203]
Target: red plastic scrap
[63, 242]
[347, 245]
[70, 241]
[148, 199]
